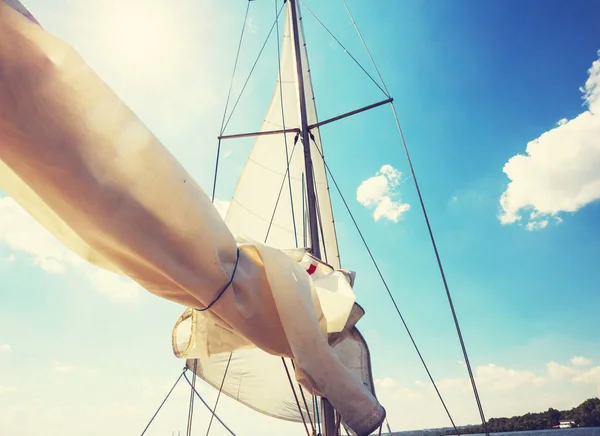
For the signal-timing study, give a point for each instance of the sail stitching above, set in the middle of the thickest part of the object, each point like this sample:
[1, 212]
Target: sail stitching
[279, 226]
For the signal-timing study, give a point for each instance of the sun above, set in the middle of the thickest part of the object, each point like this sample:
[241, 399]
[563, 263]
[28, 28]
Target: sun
[146, 37]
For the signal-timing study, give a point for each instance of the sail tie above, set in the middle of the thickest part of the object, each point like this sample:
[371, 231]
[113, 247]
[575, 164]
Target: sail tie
[226, 286]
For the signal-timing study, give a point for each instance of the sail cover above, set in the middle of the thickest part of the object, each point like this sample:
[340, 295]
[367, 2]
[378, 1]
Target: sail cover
[85, 167]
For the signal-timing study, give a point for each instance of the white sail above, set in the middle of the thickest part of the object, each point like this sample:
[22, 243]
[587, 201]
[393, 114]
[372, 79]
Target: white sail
[261, 208]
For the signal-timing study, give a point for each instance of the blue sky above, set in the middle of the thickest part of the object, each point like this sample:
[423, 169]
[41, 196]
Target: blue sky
[473, 82]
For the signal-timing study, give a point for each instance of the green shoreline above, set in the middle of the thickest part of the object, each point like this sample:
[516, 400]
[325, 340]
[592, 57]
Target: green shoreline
[587, 414]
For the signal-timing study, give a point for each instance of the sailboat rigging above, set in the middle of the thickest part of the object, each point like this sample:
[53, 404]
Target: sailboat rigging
[263, 288]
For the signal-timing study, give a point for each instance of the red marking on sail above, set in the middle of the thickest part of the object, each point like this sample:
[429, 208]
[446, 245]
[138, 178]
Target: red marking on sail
[311, 269]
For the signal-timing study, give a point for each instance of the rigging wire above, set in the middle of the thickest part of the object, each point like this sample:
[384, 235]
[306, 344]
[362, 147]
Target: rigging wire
[206, 405]
[191, 408]
[237, 57]
[429, 229]
[390, 295]
[163, 402]
[219, 394]
[287, 371]
[344, 48]
[252, 69]
[279, 196]
[304, 399]
[366, 47]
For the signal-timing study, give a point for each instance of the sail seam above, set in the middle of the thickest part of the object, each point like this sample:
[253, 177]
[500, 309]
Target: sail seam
[279, 226]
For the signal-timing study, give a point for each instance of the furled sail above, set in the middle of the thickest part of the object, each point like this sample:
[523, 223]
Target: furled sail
[85, 167]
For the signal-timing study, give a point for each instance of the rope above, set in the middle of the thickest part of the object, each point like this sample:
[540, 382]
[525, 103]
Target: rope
[429, 229]
[237, 259]
[287, 371]
[163, 402]
[391, 297]
[207, 406]
[287, 157]
[237, 56]
[191, 407]
[344, 48]
[219, 394]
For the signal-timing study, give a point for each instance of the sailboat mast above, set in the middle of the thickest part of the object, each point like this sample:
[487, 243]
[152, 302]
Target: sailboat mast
[305, 134]
[328, 412]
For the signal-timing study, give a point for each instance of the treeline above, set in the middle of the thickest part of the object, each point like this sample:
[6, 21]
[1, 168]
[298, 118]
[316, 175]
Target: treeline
[587, 414]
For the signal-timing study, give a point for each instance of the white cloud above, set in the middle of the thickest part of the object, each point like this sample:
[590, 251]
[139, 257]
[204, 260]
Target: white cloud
[590, 376]
[560, 171]
[581, 361]
[22, 233]
[504, 392]
[498, 378]
[557, 371]
[114, 286]
[562, 121]
[379, 192]
[5, 348]
[537, 225]
[27, 237]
